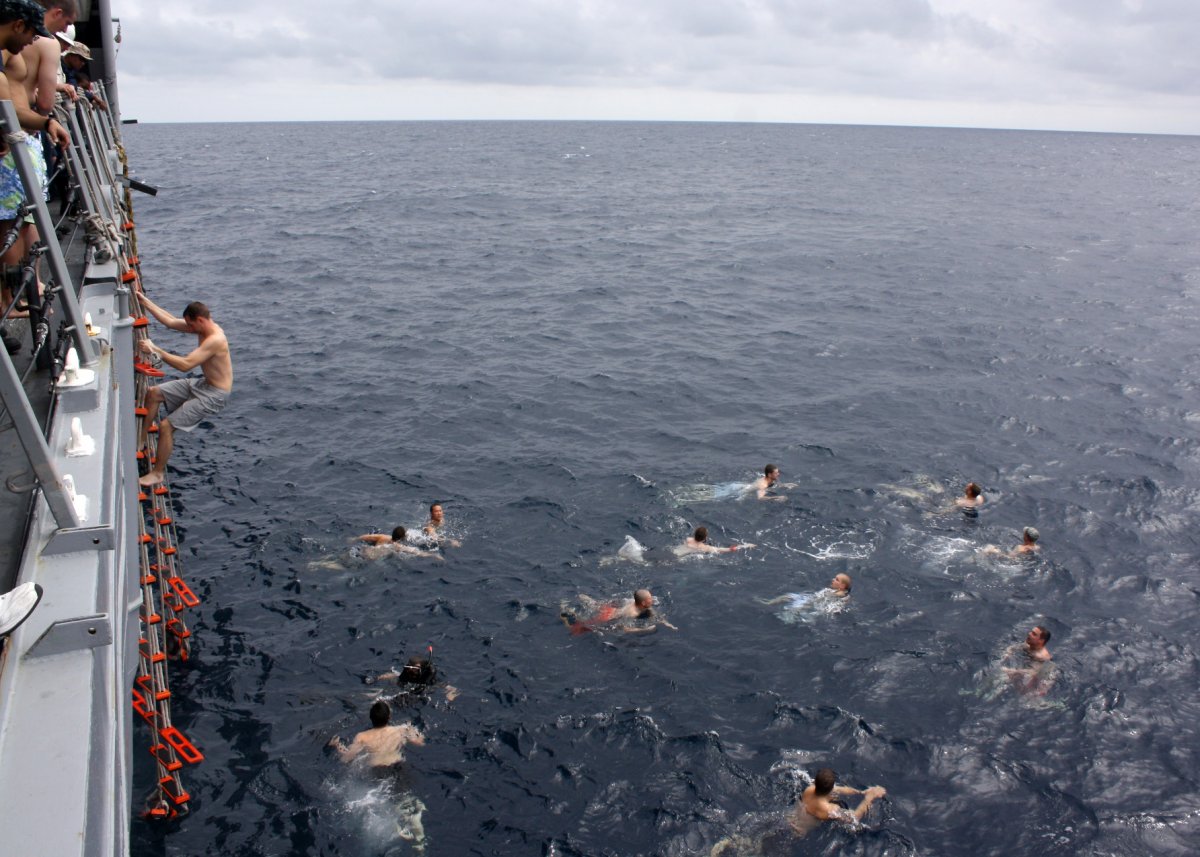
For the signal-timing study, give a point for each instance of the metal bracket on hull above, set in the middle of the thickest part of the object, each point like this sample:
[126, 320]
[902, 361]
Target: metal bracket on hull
[73, 635]
[80, 539]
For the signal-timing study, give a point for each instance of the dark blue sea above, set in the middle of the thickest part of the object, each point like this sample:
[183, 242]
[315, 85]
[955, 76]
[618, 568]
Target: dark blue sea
[570, 333]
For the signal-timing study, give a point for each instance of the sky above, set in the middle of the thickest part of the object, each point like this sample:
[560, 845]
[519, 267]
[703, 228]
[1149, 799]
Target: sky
[1084, 65]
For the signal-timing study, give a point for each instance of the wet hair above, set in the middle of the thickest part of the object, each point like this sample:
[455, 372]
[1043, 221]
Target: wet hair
[399, 534]
[846, 576]
[417, 671]
[381, 713]
[196, 310]
[433, 506]
[769, 469]
[973, 490]
[701, 534]
[1030, 533]
[1043, 633]
[643, 599]
[824, 781]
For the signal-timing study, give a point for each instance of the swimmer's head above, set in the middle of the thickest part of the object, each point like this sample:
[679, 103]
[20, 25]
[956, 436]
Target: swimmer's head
[643, 600]
[399, 534]
[973, 490]
[436, 514]
[824, 781]
[1031, 535]
[771, 472]
[840, 582]
[381, 713]
[1038, 637]
[417, 671]
[701, 534]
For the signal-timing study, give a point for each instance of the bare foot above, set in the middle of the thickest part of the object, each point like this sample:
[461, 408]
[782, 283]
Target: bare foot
[151, 478]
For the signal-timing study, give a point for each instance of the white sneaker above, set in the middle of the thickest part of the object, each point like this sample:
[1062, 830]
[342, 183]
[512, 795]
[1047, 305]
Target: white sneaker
[16, 606]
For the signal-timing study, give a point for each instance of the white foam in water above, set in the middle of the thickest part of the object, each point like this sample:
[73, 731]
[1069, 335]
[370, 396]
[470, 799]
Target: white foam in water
[632, 550]
[384, 818]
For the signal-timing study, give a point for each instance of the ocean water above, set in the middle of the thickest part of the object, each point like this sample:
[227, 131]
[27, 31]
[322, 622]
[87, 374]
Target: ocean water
[568, 333]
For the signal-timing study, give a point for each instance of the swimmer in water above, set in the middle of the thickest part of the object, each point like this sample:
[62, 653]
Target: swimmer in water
[697, 543]
[1027, 549]
[1038, 677]
[770, 479]
[640, 607]
[838, 588]
[432, 528]
[380, 745]
[414, 680]
[381, 545]
[971, 500]
[817, 805]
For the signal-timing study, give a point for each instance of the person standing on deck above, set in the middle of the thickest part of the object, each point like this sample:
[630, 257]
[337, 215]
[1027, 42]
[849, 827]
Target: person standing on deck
[188, 400]
[20, 25]
[45, 55]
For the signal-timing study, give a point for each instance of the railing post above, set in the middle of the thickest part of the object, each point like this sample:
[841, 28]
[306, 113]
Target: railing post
[41, 216]
[36, 449]
[81, 171]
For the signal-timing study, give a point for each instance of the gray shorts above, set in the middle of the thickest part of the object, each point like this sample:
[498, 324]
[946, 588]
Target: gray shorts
[189, 400]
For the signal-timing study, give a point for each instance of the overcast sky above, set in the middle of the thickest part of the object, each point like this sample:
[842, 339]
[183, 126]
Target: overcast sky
[1099, 65]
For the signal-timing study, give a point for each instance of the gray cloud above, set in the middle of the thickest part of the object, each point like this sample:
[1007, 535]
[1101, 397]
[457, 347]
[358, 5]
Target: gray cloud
[1045, 51]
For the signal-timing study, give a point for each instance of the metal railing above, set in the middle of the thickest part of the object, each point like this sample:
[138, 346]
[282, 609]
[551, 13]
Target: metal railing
[93, 177]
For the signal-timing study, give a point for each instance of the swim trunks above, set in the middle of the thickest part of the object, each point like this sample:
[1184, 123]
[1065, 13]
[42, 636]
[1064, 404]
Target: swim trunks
[12, 190]
[189, 400]
[605, 613]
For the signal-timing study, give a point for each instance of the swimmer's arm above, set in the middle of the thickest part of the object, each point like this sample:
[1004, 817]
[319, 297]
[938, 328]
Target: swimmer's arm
[846, 790]
[374, 538]
[345, 753]
[732, 548]
[667, 624]
[451, 693]
[871, 795]
[648, 629]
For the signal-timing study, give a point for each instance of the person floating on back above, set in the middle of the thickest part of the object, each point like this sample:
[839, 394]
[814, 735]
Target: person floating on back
[831, 599]
[188, 400]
